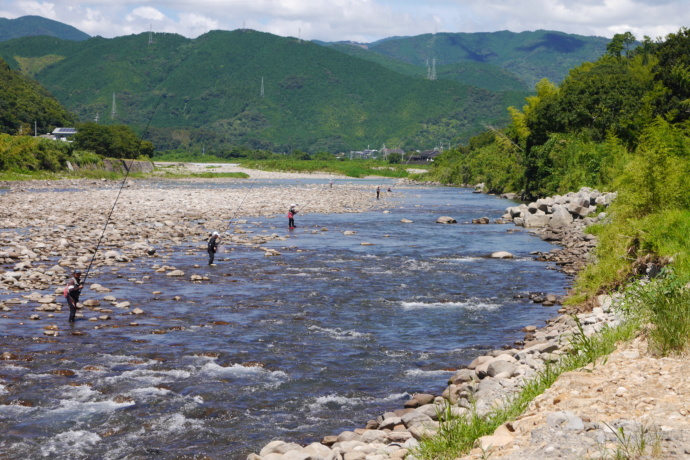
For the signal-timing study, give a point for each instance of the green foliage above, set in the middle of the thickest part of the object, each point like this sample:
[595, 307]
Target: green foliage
[673, 71]
[117, 141]
[37, 25]
[350, 168]
[25, 104]
[206, 91]
[24, 153]
[528, 55]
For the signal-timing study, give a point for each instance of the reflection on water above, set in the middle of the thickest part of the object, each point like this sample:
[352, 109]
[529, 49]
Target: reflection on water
[318, 340]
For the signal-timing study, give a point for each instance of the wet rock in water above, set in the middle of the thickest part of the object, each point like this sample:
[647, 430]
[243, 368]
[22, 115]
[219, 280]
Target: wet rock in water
[63, 372]
[91, 303]
[406, 221]
[365, 243]
[446, 220]
[481, 220]
[110, 298]
[137, 311]
[349, 232]
[501, 255]
[34, 317]
[7, 356]
[175, 273]
[51, 333]
[151, 251]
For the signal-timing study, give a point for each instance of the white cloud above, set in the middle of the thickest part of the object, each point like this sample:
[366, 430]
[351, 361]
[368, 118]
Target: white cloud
[360, 20]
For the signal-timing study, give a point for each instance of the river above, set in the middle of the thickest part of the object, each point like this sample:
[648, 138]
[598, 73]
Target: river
[318, 340]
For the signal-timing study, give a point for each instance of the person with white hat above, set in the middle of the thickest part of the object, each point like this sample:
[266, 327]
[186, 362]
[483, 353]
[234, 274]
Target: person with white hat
[291, 216]
[213, 244]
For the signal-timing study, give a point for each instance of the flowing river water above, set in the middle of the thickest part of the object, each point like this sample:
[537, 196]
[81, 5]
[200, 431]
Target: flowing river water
[318, 340]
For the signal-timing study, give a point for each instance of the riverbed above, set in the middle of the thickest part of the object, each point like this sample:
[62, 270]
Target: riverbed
[317, 340]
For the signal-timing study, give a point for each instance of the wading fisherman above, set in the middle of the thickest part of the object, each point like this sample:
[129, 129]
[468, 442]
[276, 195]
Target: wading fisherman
[291, 216]
[378, 192]
[213, 243]
[72, 292]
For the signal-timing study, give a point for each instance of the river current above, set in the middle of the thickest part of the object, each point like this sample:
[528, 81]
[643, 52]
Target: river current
[315, 341]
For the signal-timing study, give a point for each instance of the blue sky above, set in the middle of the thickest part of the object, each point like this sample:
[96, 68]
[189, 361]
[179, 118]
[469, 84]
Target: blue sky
[360, 20]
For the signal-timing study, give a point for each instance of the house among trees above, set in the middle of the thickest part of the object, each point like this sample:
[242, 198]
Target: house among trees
[425, 156]
[63, 134]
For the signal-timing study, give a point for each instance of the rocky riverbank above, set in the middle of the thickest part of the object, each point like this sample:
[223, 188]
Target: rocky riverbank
[488, 380]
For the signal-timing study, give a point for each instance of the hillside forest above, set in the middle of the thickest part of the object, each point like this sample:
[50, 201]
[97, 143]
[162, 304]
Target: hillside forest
[243, 88]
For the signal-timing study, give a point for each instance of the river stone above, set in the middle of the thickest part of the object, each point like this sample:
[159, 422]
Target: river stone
[278, 447]
[406, 221]
[565, 420]
[297, 455]
[462, 376]
[424, 430]
[349, 232]
[500, 367]
[122, 305]
[317, 450]
[354, 455]
[175, 273]
[446, 220]
[91, 303]
[501, 255]
[536, 220]
[390, 423]
[415, 418]
[374, 436]
[137, 311]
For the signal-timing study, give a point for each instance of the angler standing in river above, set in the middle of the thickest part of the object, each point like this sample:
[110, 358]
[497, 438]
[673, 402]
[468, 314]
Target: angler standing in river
[72, 292]
[213, 243]
[291, 216]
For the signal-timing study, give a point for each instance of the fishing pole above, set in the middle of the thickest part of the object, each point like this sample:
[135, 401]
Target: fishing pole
[236, 211]
[124, 181]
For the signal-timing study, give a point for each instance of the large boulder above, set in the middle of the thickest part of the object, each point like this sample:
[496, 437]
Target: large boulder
[501, 255]
[446, 220]
[536, 220]
[560, 217]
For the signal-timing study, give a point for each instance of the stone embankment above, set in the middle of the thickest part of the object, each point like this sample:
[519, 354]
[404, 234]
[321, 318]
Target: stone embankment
[486, 382]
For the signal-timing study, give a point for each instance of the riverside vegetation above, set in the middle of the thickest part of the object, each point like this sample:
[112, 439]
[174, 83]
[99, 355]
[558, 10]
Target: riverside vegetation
[620, 123]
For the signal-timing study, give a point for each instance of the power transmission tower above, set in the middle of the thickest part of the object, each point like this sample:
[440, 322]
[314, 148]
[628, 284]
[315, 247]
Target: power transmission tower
[262, 86]
[113, 114]
[151, 34]
[432, 76]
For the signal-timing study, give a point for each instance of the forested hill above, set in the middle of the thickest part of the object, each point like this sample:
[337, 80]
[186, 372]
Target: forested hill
[36, 25]
[207, 91]
[23, 102]
[494, 60]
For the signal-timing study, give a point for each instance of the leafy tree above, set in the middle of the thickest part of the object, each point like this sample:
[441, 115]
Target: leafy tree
[116, 141]
[394, 158]
[673, 71]
[299, 155]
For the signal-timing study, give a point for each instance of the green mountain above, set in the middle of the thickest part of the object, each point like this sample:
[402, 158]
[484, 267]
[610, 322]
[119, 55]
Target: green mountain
[207, 91]
[36, 25]
[525, 57]
[24, 104]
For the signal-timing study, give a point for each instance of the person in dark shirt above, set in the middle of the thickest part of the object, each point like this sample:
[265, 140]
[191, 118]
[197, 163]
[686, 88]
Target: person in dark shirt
[72, 293]
[213, 243]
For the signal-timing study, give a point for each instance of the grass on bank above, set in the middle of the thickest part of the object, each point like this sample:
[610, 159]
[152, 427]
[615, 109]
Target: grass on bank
[658, 308]
[349, 168]
[457, 435]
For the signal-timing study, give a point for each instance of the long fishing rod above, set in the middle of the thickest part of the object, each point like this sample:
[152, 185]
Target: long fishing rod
[107, 221]
[236, 211]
